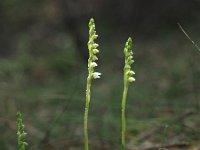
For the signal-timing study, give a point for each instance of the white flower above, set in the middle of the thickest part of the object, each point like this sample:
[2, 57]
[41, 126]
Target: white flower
[95, 36]
[96, 75]
[95, 45]
[131, 79]
[93, 64]
[130, 73]
[130, 57]
[131, 61]
[94, 57]
[95, 51]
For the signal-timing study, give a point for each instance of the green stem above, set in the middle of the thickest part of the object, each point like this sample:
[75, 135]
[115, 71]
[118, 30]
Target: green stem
[123, 121]
[86, 113]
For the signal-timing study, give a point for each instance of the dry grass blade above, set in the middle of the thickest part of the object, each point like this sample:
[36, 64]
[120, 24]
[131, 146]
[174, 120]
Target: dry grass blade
[196, 46]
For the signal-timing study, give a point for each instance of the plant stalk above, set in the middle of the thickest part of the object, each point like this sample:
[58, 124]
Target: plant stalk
[87, 104]
[123, 120]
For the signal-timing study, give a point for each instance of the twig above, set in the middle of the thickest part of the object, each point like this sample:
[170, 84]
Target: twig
[197, 47]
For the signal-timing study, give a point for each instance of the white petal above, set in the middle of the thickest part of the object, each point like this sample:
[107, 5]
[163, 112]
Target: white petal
[95, 51]
[93, 64]
[96, 75]
[95, 36]
[95, 45]
[94, 57]
[131, 79]
[131, 73]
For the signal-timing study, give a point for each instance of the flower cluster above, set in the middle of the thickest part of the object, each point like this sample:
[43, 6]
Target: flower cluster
[128, 73]
[20, 132]
[92, 46]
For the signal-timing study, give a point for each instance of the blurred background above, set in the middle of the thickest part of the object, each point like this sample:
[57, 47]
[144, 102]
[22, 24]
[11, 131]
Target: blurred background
[43, 71]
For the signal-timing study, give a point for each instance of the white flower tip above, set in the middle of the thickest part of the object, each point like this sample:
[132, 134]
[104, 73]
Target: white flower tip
[93, 64]
[131, 79]
[94, 57]
[131, 72]
[95, 45]
[132, 61]
[95, 36]
[96, 75]
[95, 51]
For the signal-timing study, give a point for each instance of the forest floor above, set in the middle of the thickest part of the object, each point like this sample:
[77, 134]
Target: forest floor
[162, 106]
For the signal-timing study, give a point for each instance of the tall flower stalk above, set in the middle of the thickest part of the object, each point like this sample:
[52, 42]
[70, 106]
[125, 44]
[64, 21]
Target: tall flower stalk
[92, 46]
[20, 132]
[128, 78]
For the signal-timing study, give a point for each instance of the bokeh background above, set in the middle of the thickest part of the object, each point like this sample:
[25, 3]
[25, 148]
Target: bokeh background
[43, 71]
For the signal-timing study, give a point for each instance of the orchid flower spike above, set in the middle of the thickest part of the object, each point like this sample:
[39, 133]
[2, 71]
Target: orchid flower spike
[92, 46]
